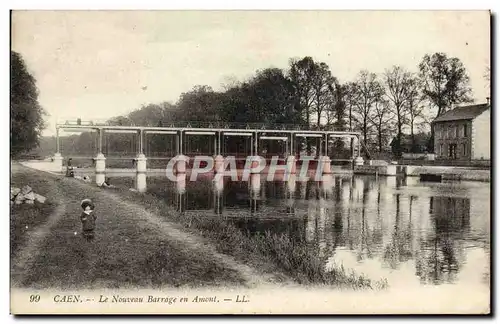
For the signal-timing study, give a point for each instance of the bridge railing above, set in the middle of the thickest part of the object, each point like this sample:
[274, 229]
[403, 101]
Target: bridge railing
[203, 124]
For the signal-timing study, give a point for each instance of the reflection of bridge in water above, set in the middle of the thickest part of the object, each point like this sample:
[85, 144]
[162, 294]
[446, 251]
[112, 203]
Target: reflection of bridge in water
[287, 144]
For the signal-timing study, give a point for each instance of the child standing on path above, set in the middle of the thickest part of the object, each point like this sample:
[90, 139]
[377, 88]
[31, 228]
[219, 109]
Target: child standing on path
[88, 218]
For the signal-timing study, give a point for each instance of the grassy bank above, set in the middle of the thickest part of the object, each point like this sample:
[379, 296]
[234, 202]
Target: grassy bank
[128, 251]
[25, 218]
[270, 252]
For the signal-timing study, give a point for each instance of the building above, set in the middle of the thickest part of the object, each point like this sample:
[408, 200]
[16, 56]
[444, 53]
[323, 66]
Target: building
[463, 133]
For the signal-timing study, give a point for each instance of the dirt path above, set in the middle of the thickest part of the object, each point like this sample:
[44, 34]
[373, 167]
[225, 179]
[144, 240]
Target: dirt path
[69, 192]
[29, 250]
[173, 232]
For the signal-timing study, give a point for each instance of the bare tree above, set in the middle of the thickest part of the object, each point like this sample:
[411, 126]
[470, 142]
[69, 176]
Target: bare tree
[382, 118]
[367, 91]
[414, 106]
[323, 97]
[397, 82]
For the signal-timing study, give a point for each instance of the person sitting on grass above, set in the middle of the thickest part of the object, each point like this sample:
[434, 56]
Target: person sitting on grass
[88, 218]
[69, 168]
[107, 184]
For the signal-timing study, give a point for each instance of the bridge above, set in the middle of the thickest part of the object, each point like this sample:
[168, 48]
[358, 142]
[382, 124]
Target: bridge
[252, 141]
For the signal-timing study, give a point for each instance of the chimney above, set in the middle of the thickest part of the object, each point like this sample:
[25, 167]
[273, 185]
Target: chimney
[487, 100]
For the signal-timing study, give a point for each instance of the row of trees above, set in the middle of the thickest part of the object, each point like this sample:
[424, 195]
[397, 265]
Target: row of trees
[26, 114]
[381, 107]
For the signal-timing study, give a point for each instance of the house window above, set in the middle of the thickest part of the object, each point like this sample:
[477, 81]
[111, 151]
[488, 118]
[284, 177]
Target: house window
[456, 131]
[440, 149]
[464, 149]
[465, 130]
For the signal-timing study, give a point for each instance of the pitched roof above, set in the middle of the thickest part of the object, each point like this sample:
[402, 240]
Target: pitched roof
[463, 113]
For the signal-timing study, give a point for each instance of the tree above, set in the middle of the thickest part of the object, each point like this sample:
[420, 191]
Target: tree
[339, 108]
[323, 95]
[199, 104]
[381, 118]
[26, 121]
[445, 82]
[414, 108]
[272, 92]
[397, 83]
[367, 91]
[301, 74]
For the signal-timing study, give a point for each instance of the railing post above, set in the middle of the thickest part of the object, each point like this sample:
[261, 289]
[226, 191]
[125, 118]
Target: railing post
[141, 141]
[256, 143]
[100, 133]
[57, 141]
[215, 144]
[326, 144]
[219, 144]
[58, 159]
[180, 141]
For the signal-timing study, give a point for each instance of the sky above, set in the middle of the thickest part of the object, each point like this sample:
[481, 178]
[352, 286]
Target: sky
[98, 64]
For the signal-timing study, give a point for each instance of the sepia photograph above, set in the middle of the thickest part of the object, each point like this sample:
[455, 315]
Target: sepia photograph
[250, 162]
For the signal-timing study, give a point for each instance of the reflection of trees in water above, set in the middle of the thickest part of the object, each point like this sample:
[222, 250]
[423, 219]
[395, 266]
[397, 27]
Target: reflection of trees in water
[198, 195]
[365, 250]
[338, 225]
[442, 252]
[236, 194]
[257, 226]
[357, 234]
[378, 230]
[399, 249]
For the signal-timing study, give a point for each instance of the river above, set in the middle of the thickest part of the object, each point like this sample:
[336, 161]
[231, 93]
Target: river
[407, 231]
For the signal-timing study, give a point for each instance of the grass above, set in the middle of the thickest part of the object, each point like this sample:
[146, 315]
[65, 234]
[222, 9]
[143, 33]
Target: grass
[128, 252]
[24, 218]
[280, 254]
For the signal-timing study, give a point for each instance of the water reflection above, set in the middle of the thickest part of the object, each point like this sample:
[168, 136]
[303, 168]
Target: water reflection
[389, 227]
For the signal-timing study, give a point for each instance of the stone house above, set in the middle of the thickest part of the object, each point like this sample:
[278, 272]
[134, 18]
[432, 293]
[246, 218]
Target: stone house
[463, 133]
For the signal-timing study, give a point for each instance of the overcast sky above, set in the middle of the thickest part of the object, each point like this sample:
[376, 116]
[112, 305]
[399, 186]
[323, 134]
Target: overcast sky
[97, 64]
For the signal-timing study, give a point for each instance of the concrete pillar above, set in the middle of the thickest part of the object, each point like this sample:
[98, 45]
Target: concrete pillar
[255, 184]
[390, 170]
[58, 162]
[408, 170]
[327, 168]
[141, 168]
[327, 184]
[181, 164]
[291, 164]
[255, 164]
[180, 183]
[100, 169]
[291, 184]
[358, 161]
[219, 164]
[219, 184]
[218, 203]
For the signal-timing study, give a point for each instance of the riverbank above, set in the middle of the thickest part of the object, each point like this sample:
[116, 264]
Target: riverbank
[278, 258]
[272, 253]
[130, 249]
[444, 172]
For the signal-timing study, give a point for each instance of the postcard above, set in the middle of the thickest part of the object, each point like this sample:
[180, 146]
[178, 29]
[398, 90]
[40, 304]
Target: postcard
[250, 162]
